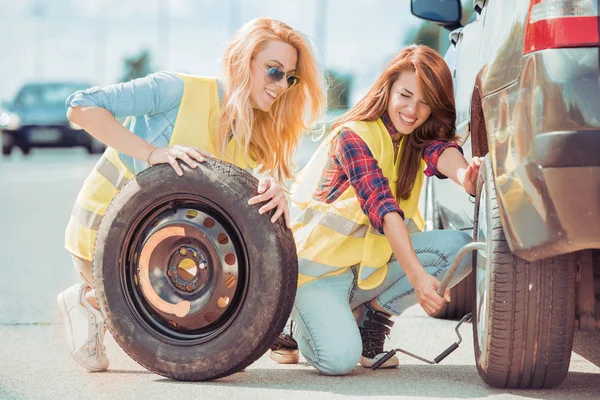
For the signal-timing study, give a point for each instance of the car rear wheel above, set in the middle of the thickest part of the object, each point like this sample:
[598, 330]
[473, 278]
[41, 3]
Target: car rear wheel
[6, 150]
[523, 312]
[193, 282]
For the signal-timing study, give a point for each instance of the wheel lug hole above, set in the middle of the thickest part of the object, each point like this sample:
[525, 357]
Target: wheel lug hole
[230, 258]
[222, 238]
[223, 301]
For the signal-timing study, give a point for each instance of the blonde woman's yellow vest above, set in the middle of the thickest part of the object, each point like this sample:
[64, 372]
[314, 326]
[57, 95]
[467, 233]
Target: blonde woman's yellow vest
[195, 126]
[338, 235]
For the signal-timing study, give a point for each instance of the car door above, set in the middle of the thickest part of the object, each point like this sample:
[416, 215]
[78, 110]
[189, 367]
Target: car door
[451, 203]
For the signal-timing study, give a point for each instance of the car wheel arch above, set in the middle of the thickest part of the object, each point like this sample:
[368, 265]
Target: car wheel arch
[478, 129]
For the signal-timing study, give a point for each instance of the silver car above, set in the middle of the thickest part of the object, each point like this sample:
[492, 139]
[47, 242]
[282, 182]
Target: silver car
[527, 90]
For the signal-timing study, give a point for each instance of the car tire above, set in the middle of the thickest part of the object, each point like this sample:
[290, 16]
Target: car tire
[462, 300]
[523, 312]
[7, 150]
[205, 213]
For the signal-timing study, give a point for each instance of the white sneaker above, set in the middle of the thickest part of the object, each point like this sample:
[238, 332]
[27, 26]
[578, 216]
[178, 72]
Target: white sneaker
[84, 327]
[366, 362]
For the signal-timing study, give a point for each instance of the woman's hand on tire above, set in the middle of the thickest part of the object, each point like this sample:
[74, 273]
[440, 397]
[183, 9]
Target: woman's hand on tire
[190, 155]
[270, 189]
[471, 176]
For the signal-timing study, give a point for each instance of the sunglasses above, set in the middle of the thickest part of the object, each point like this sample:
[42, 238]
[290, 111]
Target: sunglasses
[274, 74]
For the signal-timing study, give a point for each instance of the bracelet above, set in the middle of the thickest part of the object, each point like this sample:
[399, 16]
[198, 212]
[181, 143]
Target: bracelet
[150, 155]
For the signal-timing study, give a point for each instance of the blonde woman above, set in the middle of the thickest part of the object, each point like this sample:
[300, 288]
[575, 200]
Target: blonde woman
[252, 116]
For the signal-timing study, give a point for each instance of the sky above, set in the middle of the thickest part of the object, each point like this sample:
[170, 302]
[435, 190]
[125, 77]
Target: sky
[87, 40]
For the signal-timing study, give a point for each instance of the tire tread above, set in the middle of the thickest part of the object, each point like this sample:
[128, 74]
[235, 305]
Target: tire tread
[286, 289]
[531, 313]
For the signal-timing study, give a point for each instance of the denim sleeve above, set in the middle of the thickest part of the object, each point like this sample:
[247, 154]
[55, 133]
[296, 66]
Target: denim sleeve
[154, 94]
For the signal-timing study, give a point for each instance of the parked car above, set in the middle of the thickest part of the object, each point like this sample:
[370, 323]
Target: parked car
[37, 118]
[527, 90]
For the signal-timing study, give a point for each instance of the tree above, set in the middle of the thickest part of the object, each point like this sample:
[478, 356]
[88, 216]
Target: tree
[427, 34]
[338, 90]
[137, 66]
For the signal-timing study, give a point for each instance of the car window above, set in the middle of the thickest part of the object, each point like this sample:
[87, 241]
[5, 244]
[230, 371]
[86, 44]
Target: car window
[45, 95]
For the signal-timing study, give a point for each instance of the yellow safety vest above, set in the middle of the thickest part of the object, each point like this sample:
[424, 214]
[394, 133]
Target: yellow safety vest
[195, 126]
[338, 235]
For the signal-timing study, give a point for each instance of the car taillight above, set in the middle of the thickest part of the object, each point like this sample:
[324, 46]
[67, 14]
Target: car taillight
[554, 24]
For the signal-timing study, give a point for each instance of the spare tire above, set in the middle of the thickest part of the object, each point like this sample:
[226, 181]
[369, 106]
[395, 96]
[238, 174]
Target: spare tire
[193, 282]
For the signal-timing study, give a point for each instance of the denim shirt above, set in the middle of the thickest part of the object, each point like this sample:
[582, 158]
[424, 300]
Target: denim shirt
[152, 102]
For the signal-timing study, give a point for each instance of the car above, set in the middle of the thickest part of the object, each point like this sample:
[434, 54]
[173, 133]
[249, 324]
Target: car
[527, 90]
[37, 118]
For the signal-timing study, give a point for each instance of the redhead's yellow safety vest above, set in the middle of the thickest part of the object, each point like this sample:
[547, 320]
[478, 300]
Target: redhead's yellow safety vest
[195, 126]
[338, 235]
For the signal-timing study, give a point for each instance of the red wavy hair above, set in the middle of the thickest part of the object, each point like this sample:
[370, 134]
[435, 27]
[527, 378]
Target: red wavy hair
[435, 82]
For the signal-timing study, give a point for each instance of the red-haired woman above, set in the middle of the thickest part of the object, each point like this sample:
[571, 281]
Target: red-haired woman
[358, 263]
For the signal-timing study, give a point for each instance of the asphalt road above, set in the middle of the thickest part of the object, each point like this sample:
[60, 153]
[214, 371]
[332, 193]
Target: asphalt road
[36, 195]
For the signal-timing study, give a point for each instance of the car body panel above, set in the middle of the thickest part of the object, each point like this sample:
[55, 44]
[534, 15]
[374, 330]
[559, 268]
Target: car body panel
[548, 97]
[534, 105]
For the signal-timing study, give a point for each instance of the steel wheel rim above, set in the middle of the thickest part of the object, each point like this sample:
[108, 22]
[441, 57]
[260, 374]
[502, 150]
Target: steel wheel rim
[184, 249]
[482, 275]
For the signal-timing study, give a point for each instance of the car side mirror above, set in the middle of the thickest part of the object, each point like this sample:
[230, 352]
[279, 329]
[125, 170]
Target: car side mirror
[446, 13]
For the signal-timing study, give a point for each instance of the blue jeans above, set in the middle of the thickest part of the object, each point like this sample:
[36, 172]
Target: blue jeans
[324, 326]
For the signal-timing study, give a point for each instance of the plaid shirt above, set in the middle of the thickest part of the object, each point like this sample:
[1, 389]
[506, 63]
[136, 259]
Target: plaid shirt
[350, 162]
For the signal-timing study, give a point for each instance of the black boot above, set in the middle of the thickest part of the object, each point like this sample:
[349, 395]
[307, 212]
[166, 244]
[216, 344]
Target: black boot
[374, 326]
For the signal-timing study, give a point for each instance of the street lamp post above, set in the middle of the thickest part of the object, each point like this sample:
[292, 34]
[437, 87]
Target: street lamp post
[321, 26]
[234, 16]
[39, 13]
[163, 31]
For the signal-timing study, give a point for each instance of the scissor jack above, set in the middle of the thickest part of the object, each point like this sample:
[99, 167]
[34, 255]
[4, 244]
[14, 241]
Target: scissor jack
[442, 288]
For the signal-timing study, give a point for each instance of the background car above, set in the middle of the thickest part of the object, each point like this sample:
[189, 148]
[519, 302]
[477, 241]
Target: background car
[527, 90]
[37, 118]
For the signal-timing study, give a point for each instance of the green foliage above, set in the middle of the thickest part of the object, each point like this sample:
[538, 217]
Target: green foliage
[137, 66]
[338, 90]
[427, 34]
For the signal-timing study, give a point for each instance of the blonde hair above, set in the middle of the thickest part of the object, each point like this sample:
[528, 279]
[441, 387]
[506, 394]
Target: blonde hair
[269, 138]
